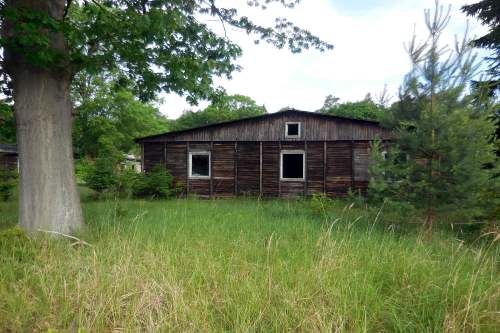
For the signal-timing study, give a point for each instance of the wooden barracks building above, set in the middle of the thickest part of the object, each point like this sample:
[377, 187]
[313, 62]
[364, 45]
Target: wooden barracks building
[285, 154]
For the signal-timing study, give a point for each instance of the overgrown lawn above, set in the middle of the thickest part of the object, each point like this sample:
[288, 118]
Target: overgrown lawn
[244, 266]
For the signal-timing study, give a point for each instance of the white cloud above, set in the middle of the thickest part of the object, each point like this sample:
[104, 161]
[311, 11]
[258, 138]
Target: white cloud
[368, 53]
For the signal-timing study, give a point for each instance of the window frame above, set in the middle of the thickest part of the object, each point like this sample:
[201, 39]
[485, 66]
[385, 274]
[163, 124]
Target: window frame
[287, 136]
[190, 164]
[293, 152]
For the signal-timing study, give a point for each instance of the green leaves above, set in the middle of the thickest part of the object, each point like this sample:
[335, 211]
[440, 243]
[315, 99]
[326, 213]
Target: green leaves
[108, 116]
[7, 123]
[29, 36]
[365, 110]
[223, 109]
[442, 145]
[161, 45]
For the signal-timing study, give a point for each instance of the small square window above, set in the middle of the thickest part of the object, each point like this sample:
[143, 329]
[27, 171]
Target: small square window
[292, 165]
[292, 130]
[199, 164]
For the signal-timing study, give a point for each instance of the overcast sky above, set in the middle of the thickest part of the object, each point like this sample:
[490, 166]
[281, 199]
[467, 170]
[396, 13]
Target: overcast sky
[368, 38]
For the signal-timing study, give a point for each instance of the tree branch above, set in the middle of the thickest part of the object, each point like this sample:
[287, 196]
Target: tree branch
[66, 8]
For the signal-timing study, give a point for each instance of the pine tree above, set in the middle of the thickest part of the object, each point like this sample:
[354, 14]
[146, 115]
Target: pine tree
[441, 139]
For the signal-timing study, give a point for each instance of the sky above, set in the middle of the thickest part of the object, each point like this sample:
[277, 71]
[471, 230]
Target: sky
[368, 38]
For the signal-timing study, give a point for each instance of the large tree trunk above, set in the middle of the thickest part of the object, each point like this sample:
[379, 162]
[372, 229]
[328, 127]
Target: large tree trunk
[48, 196]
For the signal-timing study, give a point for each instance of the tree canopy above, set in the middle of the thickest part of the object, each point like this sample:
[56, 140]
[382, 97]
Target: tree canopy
[364, 110]
[225, 108]
[108, 117]
[160, 45]
[488, 12]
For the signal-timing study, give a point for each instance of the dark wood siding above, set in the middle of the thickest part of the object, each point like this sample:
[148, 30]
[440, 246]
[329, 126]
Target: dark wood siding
[223, 163]
[270, 169]
[361, 151]
[248, 168]
[338, 168]
[176, 162]
[154, 154]
[273, 129]
[200, 187]
[314, 165]
[236, 168]
[245, 155]
[291, 189]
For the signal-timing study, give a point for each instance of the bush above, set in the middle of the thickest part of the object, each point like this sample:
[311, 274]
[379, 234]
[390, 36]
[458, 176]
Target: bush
[82, 167]
[125, 182]
[105, 177]
[101, 176]
[321, 204]
[8, 180]
[156, 183]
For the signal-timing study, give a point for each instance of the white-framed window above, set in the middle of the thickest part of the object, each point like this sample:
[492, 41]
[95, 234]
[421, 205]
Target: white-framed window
[199, 164]
[292, 130]
[292, 165]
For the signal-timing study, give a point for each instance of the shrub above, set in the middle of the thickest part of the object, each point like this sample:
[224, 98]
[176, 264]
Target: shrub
[8, 179]
[125, 182]
[321, 204]
[101, 176]
[82, 167]
[355, 197]
[156, 183]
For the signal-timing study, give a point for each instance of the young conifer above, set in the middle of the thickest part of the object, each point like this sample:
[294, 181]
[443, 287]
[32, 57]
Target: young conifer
[442, 141]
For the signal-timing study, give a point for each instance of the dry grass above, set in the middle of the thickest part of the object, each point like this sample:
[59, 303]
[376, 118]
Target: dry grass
[243, 266]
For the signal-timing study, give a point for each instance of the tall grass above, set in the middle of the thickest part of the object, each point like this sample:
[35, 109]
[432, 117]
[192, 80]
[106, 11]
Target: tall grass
[244, 266]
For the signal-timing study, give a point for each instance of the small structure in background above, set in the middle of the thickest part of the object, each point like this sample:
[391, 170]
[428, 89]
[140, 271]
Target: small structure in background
[8, 156]
[284, 154]
[132, 162]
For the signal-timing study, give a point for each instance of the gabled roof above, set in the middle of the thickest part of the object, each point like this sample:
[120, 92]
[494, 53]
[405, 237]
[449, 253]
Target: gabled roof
[265, 116]
[8, 148]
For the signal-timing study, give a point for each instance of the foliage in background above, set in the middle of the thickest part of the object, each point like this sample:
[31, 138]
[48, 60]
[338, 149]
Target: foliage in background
[8, 181]
[488, 12]
[443, 141]
[100, 175]
[108, 117]
[366, 109]
[225, 108]
[7, 123]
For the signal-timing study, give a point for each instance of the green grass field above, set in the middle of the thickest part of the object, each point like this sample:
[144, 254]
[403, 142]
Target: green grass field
[244, 266]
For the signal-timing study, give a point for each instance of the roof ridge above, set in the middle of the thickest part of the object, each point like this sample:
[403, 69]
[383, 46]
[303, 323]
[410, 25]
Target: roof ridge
[227, 122]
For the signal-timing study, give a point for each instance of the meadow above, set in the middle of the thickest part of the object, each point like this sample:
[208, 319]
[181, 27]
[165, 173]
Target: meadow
[245, 265]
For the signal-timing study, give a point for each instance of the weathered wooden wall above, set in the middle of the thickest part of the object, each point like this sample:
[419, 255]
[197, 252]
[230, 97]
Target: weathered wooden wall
[248, 175]
[272, 128]
[253, 168]
[153, 154]
[223, 169]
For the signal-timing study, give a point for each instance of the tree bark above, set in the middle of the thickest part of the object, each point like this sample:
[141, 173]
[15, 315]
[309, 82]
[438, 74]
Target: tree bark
[48, 196]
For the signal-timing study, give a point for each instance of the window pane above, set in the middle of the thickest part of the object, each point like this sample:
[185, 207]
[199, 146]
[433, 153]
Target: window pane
[293, 129]
[293, 166]
[200, 165]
